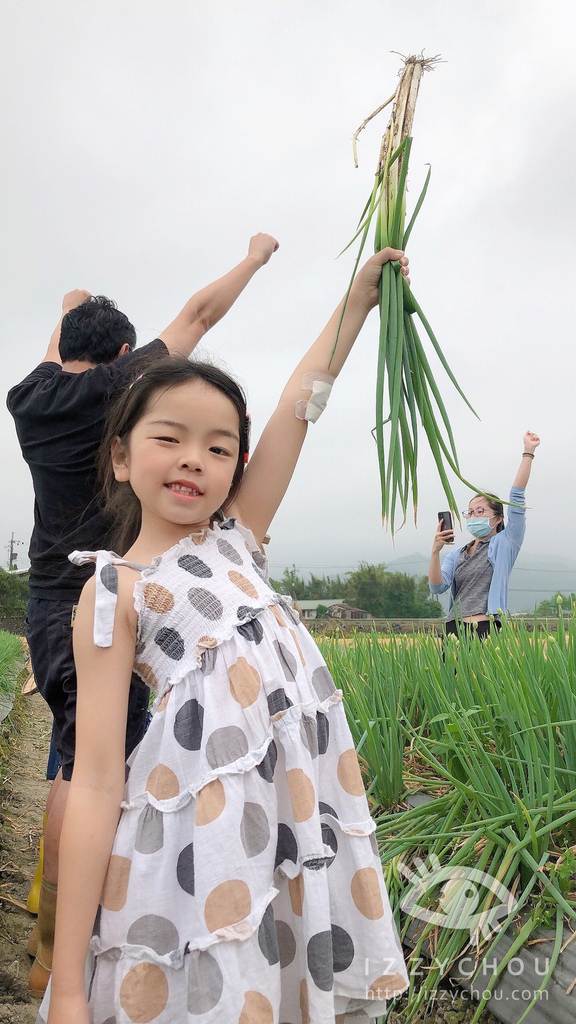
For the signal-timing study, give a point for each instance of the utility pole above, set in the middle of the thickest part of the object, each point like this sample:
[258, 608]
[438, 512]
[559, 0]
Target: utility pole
[13, 555]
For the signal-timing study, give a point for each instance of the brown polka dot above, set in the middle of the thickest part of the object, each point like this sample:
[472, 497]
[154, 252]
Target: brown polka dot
[227, 904]
[157, 598]
[349, 775]
[299, 649]
[245, 586]
[210, 802]
[296, 890]
[116, 882]
[244, 682]
[302, 795]
[366, 894]
[162, 783]
[144, 992]
[256, 1010]
[277, 615]
[207, 641]
[164, 702]
[386, 986]
[304, 1005]
[147, 674]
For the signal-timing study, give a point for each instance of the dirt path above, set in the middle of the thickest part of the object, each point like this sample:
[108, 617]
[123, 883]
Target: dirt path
[23, 790]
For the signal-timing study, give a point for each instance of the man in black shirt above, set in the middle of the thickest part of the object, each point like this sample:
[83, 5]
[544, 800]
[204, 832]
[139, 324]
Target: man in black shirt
[59, 410]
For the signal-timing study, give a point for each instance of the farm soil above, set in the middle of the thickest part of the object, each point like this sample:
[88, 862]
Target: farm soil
[24, 744]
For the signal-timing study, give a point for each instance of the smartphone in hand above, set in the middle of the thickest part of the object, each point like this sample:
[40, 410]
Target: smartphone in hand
[446, 518]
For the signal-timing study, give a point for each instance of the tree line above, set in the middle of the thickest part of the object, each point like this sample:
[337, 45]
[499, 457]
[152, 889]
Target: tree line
[383, 594]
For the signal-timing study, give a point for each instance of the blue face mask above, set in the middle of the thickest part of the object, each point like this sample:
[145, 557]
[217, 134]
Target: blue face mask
[479, 527]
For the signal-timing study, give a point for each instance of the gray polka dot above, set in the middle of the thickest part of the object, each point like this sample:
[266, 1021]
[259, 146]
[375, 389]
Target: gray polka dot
[205, 603]
[170, 641]
[158, 933]
[342, 948]
[228, 551]
[208, 660]
[185, 869]
[109, 577]
[329, 839]
[110, 1020]
[319, 954]
[254, 829]
[259, 558]
[309, 735]
[226, 745]
[278, 701]
[287, 847]
[188, 725]
[286, 943]
[251, 630]
[267, 937]
[268, 763]
[326, 809]
[323, 730]
[205, 982]
[195, 565]
[322, 682]
[374, 844]
[287, 659]
[149, 831]
[290, 612]
[261, 573]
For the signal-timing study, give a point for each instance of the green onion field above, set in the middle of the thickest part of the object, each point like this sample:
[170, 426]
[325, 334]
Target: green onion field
[487, 730]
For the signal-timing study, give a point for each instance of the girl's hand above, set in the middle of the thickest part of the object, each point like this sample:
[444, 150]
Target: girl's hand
[531, 442]
[367, 280]
[441, 537]
[261, 247]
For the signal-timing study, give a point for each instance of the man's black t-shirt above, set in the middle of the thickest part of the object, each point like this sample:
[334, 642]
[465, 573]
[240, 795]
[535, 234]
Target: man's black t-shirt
[59, 421]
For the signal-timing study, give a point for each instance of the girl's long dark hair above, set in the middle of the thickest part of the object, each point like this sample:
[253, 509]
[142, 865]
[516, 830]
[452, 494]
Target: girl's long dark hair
[120, 505]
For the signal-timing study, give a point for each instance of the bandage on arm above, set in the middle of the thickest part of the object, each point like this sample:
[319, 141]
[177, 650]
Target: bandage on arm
[319, 386]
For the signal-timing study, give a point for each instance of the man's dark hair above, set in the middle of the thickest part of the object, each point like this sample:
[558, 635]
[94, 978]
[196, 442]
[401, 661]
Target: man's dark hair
[95, 332]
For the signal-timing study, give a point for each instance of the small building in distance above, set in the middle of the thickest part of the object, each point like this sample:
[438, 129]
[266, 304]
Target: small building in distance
[335, 609]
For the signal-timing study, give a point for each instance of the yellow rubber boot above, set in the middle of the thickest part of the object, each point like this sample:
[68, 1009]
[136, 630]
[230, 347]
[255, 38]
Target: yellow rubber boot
[34, 894]
[42, 966]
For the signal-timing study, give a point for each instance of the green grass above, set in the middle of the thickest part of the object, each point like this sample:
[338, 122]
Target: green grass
[490, 731]
[11, 653]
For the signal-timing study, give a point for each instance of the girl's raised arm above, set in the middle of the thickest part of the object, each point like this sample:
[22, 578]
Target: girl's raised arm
[96, 791]
[271, 467]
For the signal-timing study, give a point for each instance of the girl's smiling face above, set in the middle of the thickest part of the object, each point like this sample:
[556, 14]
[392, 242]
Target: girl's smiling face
[181, 456]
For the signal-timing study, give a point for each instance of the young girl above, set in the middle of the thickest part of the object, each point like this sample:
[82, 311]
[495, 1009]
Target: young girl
[242, 883]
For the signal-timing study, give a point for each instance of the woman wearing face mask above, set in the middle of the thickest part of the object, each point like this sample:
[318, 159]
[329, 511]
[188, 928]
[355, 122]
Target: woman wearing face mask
[477, 573]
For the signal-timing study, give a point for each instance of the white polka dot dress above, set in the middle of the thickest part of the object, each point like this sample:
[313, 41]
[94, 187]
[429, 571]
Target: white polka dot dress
[244, 885]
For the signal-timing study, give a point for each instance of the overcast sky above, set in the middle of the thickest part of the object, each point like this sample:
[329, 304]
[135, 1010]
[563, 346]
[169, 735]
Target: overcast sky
[144, 141]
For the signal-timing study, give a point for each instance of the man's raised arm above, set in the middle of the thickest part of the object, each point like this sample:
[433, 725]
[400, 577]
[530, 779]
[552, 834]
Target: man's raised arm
[209, 305]
[70, 301]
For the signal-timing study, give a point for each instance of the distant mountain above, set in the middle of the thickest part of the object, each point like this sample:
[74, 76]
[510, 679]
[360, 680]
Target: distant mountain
[534, 579]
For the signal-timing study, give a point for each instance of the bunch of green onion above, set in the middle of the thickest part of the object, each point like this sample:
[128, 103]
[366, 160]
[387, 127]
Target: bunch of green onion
[406, 391]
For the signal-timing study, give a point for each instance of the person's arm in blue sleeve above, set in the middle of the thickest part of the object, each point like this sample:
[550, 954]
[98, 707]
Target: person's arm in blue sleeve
[440, 576]
[516, 519]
